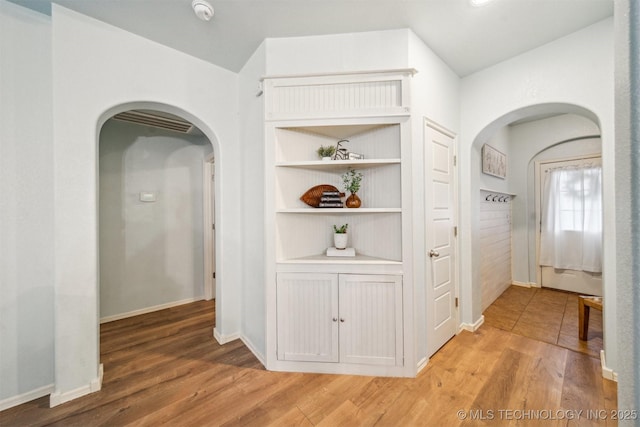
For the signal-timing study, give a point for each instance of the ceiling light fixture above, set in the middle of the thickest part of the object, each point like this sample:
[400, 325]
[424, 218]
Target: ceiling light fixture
[479, 2]
[202, 9]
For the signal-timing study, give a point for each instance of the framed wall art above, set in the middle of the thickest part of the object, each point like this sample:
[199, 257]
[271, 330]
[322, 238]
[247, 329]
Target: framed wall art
[494, 162]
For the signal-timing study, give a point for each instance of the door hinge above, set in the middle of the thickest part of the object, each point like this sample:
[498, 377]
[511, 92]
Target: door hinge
[213, 226]
[455, 231]
[456, 302]
[455, 160]
[214, 274]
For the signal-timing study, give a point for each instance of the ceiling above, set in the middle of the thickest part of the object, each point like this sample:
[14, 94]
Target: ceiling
[467, 38]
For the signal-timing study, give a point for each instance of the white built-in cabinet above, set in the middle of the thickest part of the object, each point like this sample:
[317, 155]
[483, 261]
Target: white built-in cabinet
[348, 318]
[338, 314]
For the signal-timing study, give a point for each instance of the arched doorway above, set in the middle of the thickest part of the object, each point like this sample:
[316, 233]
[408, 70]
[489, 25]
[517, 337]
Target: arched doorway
[151, 213]
[581, 124]
[154, 205]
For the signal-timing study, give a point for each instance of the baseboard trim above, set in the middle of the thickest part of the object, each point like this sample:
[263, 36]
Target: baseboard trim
[422, 364]
[253, 350]
[57, 398]
[39, 392]
[525, 284]
[146, 310]
[471, 327]
[223, 339]
[607, 373]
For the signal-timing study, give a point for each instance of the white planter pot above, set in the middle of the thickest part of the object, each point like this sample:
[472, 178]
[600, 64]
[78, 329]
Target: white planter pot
[326, 159]
[340, 240]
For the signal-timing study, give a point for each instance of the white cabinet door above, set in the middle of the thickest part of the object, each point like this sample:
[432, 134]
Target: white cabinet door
[371, 319]
[307, 307]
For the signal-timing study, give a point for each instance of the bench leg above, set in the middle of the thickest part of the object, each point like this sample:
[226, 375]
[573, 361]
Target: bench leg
[583, 321]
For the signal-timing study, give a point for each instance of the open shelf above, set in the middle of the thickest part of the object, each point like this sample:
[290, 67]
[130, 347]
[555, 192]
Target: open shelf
[338, 164]
[341, 211]
[323, 259]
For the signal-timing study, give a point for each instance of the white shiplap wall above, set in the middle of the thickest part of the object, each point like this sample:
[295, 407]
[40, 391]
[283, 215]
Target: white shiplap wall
[495, 245]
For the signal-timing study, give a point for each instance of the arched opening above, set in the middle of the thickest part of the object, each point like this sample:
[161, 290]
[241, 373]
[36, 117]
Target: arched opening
[524, 135]
[155, 210]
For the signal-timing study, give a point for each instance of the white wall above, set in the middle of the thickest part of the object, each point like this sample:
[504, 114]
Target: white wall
[26, 206]
[627, 23]
[501, 141]
[576, 70]
[253, 229]
[539, 140]
[100, 70]
[151, 253]
[495, 245]
[375, 50]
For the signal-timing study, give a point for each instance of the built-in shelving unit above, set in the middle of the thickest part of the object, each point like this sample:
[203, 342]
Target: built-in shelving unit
[374, 228]
[370, 114]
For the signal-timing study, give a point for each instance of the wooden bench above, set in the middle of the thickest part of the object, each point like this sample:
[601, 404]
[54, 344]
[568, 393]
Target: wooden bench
[585, 303]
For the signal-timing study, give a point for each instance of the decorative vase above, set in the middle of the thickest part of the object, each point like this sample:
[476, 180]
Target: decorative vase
[340, 240]
[353, 201]
[326, 159]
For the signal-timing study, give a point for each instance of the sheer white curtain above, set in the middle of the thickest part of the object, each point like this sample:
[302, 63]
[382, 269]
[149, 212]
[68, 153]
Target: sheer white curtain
[571, 228]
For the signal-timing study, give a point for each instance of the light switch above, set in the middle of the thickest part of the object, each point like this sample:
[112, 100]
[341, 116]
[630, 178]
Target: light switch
[147, 196]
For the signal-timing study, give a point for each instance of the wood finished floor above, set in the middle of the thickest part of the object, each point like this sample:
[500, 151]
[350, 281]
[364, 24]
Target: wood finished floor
[546, 315]
[165, 368]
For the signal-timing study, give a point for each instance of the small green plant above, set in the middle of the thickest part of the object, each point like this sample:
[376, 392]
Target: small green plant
[342, 229]
[351, 181]
[327, 151]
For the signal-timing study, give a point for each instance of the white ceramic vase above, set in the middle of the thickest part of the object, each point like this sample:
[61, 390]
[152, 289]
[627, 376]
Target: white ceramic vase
[340, 240]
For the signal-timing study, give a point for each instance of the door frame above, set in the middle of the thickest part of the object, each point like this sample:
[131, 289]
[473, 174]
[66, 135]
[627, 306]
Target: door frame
[539, 165]
[208, 201]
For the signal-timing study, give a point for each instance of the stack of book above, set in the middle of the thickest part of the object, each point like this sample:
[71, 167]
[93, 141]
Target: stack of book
[330, 199]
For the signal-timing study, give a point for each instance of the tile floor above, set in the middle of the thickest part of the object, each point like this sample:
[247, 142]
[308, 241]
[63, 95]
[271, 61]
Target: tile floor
[546, 315]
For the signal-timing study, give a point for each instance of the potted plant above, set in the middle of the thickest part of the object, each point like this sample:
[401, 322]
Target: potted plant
[351, 181]
[327, 152]
[340, 236]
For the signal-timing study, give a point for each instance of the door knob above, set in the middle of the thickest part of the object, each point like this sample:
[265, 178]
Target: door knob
[434, 254]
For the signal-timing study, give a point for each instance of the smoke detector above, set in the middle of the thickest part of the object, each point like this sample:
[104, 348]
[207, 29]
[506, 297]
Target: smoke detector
[202, 9]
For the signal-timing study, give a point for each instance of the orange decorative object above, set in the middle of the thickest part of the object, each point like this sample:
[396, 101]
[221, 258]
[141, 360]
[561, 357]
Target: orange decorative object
[312, 196]
[353, 201]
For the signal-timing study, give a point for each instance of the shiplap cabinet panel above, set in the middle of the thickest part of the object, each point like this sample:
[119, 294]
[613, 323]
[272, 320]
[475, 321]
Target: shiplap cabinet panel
[370, 319]
[382, 93]
[308, 317]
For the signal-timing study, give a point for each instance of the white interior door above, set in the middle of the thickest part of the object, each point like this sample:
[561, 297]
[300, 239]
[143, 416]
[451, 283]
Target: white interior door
[581, 282]
[440, 236]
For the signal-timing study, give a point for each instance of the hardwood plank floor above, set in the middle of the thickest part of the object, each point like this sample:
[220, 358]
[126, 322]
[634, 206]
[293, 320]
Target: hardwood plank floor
[165, 368]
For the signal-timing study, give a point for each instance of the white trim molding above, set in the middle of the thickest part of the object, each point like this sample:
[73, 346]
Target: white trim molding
[422, 364]
[223, 339]
[471, 327]
[26, 397]
[525, 284]
[57, 398]
[146, 310]
[247, 342]
[607, 373]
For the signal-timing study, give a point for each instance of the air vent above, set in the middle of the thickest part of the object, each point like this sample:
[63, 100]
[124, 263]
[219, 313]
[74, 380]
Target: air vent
[148, 119]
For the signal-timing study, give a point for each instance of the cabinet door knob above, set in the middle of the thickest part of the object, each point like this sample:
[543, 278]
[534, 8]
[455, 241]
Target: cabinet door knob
[434, 254]
[341, 320]
[335, 319]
